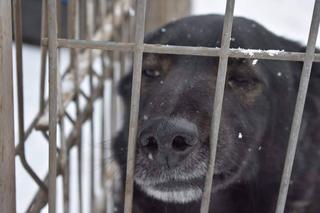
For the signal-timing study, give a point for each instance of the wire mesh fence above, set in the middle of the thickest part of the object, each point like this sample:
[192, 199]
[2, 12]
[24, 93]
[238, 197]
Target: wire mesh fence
[88, 40]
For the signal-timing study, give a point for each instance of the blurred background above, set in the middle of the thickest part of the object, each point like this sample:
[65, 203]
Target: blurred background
[288, 18]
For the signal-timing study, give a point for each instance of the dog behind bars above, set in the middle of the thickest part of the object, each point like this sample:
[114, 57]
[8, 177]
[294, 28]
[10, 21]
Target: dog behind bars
[174, 124]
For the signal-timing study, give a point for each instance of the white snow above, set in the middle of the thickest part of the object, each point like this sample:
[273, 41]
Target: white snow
[132, 12]
[251, 52]
[240, 136]
[274, 52]
[255, 61]
[150, 156]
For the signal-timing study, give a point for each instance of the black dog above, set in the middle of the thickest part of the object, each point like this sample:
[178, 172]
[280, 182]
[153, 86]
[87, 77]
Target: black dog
[174, 123]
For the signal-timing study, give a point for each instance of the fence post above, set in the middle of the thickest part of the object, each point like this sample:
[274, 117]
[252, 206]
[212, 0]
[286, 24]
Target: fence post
[7, 152]
[161, 12]
[53, 99]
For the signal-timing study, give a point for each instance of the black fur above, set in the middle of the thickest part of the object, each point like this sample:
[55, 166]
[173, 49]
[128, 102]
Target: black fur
[258, 103]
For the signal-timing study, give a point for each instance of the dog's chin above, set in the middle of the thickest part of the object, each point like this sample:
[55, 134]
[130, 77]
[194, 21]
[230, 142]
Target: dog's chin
[184, 191]
[173, 192]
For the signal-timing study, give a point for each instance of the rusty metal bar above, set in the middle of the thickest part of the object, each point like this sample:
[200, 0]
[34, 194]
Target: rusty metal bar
[7, 151]
[297, 117]
[217, 104]
[53, 114]
[135, 98]
[185, 50]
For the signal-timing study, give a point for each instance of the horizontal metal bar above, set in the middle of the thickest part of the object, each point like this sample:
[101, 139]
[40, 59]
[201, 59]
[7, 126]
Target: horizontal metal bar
[184, 50]
[100, 45]
[232, 53]
[297, 117]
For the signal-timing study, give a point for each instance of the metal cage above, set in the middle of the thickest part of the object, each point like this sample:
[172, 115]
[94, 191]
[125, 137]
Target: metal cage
[94, 45]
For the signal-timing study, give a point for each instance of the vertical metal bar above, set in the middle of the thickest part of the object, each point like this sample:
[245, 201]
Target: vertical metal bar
[58, 6]
[297, 117]
[103, 162]
[135, 99]
[92, 153]
[19, 64]
[102, 145]
[7, 152]
[132, 22]
[80, 173]
[64, 166]
[81, 16]
[43, 60]
[71, 19]
[217, 105]
[53, 57]
[91, 28]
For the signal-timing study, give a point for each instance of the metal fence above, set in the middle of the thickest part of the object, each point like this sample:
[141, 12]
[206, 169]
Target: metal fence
[137, 47]
[71, 102]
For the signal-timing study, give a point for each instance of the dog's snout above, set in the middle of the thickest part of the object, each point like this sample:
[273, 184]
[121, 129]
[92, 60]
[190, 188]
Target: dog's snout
[168, 141]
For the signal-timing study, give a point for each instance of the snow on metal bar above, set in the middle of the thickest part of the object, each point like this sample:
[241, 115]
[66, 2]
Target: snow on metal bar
[186, 50]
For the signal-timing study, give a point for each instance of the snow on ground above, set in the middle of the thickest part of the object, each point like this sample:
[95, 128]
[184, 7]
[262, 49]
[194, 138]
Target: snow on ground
[289, 18]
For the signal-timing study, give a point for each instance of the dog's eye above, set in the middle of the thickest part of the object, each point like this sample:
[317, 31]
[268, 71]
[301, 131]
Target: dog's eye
[241, 82]
[151, 73]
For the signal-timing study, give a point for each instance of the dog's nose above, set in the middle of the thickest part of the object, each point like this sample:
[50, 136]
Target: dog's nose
[168, 141]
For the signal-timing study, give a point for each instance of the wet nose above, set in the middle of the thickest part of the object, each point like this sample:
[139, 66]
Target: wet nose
[168, 141]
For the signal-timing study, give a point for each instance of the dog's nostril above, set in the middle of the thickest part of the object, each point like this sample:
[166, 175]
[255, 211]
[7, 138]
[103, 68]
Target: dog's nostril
[150, 143]
[179, 143]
